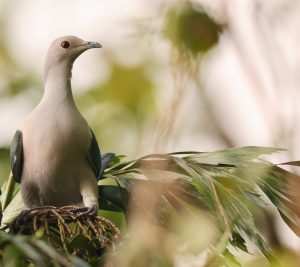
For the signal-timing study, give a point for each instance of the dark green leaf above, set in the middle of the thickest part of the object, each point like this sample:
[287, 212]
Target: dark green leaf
[113, 198]
[238, 241]
[79, 241]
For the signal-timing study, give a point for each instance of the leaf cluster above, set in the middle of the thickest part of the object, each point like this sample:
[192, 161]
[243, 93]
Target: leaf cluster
[187, 197]
[229, 185]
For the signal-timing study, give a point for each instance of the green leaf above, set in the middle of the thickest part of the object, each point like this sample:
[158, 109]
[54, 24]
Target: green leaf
[79, 241]
[234, 156]
[77, 262]
[238, 241]
[51, 252]
[230, 260]
[30, 251]
[100, 261]
[113, 198]
[12, 256]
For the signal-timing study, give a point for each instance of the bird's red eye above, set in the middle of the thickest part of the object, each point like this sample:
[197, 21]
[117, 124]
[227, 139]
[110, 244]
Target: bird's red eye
[65, 44]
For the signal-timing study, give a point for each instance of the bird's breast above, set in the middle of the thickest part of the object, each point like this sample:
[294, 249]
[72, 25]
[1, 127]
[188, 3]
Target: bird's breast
[55, 150]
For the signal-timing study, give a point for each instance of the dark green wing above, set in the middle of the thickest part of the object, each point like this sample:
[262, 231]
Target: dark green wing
[94, 156]
[17, 156]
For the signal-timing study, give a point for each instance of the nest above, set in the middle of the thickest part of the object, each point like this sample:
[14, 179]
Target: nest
[84, 236]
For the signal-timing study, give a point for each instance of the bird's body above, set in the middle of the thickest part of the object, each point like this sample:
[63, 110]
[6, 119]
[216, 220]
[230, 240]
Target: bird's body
[58, 159]
[55, 155]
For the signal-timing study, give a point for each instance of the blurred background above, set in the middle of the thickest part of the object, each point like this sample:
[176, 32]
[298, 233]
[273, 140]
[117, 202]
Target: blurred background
[171, 76]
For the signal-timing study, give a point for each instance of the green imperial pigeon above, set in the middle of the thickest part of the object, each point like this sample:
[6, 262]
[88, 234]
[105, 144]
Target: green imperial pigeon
[54, 153]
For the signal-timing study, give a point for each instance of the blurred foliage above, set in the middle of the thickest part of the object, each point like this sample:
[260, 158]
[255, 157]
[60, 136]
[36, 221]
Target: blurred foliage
[198, 203]
[224, 183]
[19, 251]
[4, 164]
[129, 87]
[191, 29]
[119, 108]
[18, 85]
[16, 79]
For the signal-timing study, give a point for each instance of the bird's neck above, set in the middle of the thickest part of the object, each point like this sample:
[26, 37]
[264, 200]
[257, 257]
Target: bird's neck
[57, 85]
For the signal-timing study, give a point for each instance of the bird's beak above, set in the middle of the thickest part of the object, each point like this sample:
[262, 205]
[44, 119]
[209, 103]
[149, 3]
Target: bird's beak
[89, 45]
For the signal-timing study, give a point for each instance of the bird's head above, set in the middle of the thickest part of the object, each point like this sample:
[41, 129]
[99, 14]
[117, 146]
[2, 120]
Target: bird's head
[64, 50]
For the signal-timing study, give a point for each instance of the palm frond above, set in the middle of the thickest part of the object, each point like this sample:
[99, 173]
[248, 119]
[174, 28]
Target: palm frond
[228, 184]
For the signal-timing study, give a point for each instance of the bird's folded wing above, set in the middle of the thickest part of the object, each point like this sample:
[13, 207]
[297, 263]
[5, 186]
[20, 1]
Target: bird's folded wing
[94, 156]
[16, 156]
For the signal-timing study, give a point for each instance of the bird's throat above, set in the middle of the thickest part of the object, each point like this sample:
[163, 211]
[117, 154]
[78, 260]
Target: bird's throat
[57, 84]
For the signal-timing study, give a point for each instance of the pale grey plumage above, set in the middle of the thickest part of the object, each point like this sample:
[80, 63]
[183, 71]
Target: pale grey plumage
[59, 150]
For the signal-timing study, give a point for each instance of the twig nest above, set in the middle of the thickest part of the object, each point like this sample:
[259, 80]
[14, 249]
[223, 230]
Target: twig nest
[84, 236]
